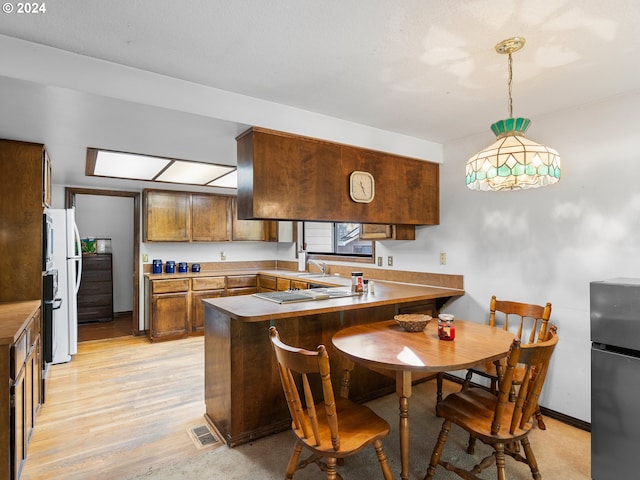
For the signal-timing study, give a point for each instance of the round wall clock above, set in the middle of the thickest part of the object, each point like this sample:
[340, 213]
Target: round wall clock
[361, 187]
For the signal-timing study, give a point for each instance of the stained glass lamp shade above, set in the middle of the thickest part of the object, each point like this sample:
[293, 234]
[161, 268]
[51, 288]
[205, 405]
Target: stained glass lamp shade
[512, 162]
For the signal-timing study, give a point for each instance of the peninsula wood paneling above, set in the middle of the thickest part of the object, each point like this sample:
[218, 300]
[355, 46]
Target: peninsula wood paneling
[288, 177]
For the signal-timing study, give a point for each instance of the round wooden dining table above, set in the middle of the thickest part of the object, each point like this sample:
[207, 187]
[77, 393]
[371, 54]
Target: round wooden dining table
[387, 346]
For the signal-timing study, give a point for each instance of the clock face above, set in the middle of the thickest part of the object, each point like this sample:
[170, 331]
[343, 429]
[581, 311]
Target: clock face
[361, 187]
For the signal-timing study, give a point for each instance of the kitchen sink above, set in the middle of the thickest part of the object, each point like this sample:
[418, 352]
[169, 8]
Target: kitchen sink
[313, 275]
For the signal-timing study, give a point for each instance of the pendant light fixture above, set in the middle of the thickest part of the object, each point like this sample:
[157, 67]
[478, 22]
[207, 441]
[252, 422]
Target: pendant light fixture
[512, 162]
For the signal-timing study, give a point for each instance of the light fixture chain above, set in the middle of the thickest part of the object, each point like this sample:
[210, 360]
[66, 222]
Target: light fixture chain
[509, 84]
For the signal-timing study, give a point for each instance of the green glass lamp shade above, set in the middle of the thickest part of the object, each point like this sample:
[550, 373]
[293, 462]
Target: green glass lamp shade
[512, 162]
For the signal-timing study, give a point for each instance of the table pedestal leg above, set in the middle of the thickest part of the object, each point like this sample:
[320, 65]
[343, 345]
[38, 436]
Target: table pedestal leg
[403, 389]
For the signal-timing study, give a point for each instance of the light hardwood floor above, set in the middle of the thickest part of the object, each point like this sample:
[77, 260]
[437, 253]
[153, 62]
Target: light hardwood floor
[121, 406]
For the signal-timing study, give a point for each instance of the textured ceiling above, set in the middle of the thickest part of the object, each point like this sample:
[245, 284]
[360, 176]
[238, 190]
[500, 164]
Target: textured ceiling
[427, 69]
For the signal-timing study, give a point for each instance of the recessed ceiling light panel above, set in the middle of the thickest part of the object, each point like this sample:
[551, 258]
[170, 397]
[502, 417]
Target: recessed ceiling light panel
[192, 172]
[229, 180]
[128, 165]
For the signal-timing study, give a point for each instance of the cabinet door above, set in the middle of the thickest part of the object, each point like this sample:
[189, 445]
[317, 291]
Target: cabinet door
[375, 232]
[209, 218]
[248, 230]
[167, 216]
[19, 437]
[197, 307]
[169, 316]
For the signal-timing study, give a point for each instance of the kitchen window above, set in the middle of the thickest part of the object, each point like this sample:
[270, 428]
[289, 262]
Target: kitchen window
[328, 238]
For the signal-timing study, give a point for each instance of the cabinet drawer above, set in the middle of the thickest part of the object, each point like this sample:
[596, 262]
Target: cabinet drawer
[95, 288]
[267, 282]
[283, 284]
[89, 276]
[299, 285]
[165, 286]
[96, 299]
[20, 349]
[235, 281]
[241, 291]
[207, 283]
[96, 262]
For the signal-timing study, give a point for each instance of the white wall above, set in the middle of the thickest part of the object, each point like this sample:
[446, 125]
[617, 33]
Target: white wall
[544, 244]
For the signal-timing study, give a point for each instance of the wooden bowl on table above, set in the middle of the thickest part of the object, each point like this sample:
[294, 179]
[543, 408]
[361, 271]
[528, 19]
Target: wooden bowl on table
[413, 322]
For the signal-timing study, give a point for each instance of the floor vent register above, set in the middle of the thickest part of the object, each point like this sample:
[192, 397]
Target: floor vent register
[203, 437]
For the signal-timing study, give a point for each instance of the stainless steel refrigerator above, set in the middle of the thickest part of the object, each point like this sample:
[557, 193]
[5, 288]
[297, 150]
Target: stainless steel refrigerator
[67, 259]
[615, 378]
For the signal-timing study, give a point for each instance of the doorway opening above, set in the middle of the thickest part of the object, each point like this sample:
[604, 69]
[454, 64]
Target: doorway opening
[123, 321]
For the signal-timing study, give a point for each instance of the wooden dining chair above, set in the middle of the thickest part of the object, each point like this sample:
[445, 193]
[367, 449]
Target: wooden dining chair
[333, 428]
[495, 420]
[529, 324]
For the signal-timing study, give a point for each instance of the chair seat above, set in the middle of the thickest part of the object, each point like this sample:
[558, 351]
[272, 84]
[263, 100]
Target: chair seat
[359, 426]
[473, 409]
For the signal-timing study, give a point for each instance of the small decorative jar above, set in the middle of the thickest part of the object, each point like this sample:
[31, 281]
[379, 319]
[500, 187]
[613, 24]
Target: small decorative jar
[356, 282]
[446, 328]
[195, 267]
[157, 266]
[183, 267]
[170, 266]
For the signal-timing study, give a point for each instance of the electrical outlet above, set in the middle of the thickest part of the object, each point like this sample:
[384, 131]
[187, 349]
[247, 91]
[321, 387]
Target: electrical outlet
[390, 261]
[223, 256]
[145, 257]
[379, 261]
[443, 258]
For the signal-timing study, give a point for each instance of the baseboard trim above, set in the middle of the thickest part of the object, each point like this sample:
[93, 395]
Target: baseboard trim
[561, 417]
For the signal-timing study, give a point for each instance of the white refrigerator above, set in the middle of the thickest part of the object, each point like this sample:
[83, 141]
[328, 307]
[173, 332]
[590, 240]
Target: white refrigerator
[67, 259]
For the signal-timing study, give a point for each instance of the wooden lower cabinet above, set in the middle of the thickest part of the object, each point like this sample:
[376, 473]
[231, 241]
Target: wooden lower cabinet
[21, 370]
[271, 283]
[174, 306]
[168, 308]
[201, 288]
[241, 285]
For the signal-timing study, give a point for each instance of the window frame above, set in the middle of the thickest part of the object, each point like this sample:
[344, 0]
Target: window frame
[357, 258]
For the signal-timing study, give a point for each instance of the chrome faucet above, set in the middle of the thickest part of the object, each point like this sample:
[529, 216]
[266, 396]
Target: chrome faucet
[321, 265]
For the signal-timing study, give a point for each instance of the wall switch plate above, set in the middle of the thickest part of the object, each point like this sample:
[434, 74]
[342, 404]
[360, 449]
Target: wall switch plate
[379, 261]
[443, 258]
[390, 261]
[145, 257]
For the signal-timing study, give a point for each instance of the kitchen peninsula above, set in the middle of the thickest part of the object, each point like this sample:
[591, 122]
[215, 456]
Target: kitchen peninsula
[243, 394]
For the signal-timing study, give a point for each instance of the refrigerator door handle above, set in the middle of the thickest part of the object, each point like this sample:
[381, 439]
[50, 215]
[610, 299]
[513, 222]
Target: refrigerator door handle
[78, 258]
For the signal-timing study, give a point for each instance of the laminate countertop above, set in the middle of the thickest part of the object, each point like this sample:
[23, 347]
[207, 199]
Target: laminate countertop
[249, 308]
[13, 319]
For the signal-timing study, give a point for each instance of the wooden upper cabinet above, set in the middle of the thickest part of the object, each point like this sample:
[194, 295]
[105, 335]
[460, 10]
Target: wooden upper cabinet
[22, 167]
[248, 230]
[209, 218]
[167, 216]
[387, 232]
[283, 176]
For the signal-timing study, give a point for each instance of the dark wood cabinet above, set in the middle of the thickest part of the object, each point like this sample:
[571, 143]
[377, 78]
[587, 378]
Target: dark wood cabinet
[168, 308]
[20, 369]
[249, 230]
[201, 288]
[167, 216]
[22, 179]
[199, 217]
[209, 218]
[289, 177]
[95, 296]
